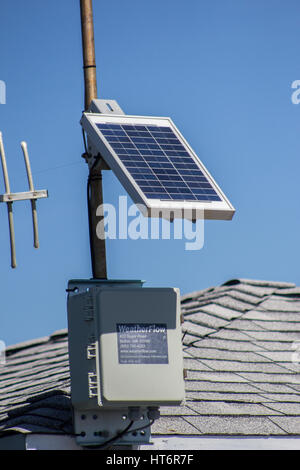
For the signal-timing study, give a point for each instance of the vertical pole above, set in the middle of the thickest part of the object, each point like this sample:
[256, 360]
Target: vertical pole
[9, 206]
[36, 243]
[95, 190]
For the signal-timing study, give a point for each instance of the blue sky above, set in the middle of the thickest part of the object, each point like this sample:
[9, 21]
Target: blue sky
[222, 70]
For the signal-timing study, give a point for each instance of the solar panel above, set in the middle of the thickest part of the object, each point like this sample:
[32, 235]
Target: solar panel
[156, 165]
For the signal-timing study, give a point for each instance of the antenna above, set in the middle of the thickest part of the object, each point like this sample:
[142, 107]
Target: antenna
[9, 198]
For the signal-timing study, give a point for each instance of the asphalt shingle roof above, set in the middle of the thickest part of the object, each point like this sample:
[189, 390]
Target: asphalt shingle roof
[241, 346]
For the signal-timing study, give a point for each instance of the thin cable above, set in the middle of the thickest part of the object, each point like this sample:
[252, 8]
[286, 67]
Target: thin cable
[113, 439]
[143, 427]
[55, 168]
[89, 209]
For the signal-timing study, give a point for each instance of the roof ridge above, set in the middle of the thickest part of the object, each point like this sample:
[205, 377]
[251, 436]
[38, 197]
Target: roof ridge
[258, 282]
[227, 324]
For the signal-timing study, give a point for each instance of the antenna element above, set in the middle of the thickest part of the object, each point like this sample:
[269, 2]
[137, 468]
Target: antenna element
[9, 198]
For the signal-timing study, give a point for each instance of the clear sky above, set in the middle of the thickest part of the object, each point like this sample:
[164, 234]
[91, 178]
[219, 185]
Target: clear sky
[222, 70]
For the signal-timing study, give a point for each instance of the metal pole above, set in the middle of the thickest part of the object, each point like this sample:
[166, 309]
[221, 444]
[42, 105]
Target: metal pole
[9, 206]
[36, 243]
[95, 190]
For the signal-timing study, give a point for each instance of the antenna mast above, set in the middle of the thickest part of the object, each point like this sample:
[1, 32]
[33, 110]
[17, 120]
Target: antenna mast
[94, 189]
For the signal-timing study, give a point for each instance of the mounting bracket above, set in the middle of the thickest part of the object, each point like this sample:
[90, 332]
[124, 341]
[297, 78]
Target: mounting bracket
[92, 157]
[105, 107]
[105, 428]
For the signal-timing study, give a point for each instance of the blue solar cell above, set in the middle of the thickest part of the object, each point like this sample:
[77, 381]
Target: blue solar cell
[158, 162]
[108, 132]
[154, 146]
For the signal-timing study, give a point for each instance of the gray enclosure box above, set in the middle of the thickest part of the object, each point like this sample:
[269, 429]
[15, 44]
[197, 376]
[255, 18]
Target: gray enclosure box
[125, 348]
[133, 334]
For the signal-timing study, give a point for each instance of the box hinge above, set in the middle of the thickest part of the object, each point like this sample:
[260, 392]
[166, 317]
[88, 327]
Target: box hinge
[91, 351]
[93, 384]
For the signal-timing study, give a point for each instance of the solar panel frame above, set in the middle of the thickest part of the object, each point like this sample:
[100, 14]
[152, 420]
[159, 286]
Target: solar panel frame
[113, 154]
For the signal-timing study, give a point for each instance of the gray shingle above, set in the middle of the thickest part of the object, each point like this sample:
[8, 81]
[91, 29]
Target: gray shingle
[223, 387]
[173, 425]
[215, 376]
[207, 320]
[193, 364]
[235, 335]
[232, 397]
[222, 312]
[244, 296]
[276, 346]
[290, 425]
[237, 425]
[233, 304]
[274, 387]
[289, 378]
[189, 340]
[244, 326]
[295, 387]
[196, 329]
[258, 291]
[291, 291]
[193, 304]
[278, 356]
[238, 366]
[176, 411]
[281, 305]
[279, 326]
[291, 409]
[282, 398]
[278, 336]
[209, 408]
[241, 356]
[231, 345]
[264, 316]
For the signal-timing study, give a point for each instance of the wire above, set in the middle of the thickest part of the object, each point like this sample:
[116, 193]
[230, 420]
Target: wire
[113, 439]
[64, 165]
[89, 214]
[122, 433]
[58, 167]
[144, 427]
